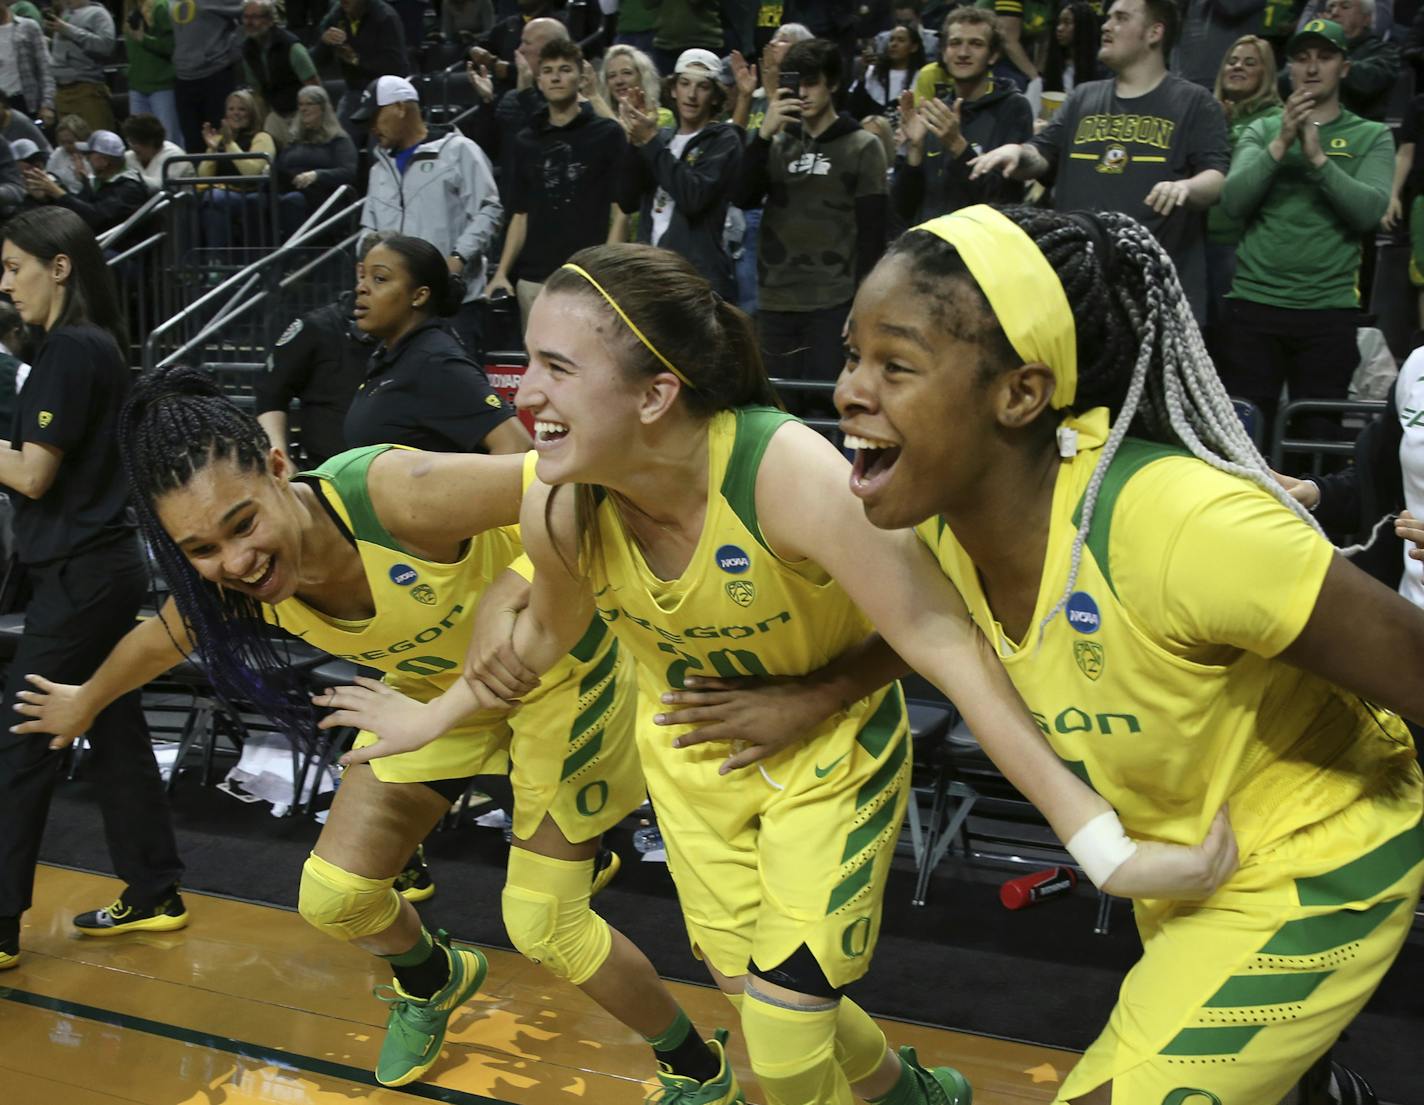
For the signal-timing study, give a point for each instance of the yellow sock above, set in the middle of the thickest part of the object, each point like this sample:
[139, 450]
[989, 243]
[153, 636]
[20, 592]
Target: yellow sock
[793, 1053]
[860, 1045]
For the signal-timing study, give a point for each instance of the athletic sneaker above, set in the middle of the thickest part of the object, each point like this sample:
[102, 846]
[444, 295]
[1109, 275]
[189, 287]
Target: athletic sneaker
[415, 1029]
[674, 1089]
[605, 868]
[939, 1085]
[415, 883]
[167, 915]
[9, 957]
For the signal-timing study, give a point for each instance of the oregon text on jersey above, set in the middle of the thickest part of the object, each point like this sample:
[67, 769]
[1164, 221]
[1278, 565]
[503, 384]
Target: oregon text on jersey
[699, 632]
[424, 637]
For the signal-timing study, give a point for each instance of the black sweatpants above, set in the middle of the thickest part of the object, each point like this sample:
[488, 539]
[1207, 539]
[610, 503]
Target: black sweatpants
[78, 610]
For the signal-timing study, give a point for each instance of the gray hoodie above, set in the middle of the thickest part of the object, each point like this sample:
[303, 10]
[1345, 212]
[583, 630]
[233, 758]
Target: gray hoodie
[209, 42]
[79, 54]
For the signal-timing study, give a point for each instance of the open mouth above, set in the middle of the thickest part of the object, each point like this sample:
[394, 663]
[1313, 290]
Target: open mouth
[260, 578]
[549, 433]
[874, 463]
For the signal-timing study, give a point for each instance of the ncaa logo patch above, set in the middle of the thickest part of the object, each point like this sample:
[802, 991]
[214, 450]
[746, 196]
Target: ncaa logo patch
[733, 560]
[1082, 612]
[403, 575]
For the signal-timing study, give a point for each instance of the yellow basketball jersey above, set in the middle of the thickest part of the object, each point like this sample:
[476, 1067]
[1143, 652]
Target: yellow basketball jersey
[737, 609]
[1164, 731]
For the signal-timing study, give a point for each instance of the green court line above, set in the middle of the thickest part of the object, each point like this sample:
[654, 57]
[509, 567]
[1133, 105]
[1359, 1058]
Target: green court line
[271, 1056]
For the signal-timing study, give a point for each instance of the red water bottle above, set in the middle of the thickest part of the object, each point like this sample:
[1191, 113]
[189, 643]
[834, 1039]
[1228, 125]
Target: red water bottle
[1027, 890]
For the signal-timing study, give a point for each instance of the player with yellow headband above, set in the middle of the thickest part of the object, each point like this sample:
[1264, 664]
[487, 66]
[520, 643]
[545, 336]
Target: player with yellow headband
[1029, 389]
[715, 535]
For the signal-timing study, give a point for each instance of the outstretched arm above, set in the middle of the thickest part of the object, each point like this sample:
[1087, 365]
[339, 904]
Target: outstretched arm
[144, 653]
[894, 579]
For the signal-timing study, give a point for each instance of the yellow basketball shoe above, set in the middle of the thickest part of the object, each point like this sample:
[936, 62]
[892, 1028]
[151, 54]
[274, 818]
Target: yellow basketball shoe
[674, 1089]
[415, 1029]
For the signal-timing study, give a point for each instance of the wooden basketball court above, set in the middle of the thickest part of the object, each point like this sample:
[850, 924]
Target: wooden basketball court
[249, 1004]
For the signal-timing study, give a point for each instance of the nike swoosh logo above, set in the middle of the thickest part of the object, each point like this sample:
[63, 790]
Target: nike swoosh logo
[822, 772]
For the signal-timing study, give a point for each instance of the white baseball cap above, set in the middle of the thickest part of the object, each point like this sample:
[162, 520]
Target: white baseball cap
[24, 149]
[105, 142]
[700, 63]
[382, 92]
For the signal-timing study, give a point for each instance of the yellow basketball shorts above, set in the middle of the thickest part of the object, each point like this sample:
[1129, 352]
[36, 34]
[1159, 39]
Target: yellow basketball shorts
[1236, 997]
[793, 851]
[569, 750]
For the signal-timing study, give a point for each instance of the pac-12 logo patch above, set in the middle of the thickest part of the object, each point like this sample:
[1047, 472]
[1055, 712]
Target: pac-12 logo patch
[1090, 658]
[45, 418]
[1083, 612]
[403, 575]
[423, 593]
[732, 559]
[741, 591]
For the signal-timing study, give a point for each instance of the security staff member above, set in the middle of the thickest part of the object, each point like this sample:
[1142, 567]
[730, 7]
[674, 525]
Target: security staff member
[422, 389]
[87, 577]
[320, 360]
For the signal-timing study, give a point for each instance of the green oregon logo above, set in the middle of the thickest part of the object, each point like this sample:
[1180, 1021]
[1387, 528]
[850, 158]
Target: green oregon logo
[855, 940]
[426, 665]
[591, 793]
[1186, 1096]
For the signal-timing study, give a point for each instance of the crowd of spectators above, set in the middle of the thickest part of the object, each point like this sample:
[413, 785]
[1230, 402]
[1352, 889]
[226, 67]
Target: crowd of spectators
[779, 147]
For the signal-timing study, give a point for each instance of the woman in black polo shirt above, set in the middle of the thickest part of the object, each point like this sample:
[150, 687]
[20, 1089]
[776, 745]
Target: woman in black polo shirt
[74, 540]
[422, 389]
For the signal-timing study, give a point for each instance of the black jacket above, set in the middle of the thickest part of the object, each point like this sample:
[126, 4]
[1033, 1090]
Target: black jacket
[1355, 499]
[379, 44]
[700, 184]
[940, 183]
[105, 204]
[271, 64]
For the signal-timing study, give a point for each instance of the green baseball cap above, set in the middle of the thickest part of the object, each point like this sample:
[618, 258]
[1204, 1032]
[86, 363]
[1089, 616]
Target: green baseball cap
[1319, 30]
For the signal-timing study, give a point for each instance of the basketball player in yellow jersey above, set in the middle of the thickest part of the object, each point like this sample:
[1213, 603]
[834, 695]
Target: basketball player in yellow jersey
[720, 538]
[381, 556]
[1181, 631]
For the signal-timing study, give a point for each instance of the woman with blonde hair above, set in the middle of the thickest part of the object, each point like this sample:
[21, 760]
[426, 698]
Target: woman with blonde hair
[241, 132]
[1246, 90]
[318, 159]
[68, 164]
[624, 69]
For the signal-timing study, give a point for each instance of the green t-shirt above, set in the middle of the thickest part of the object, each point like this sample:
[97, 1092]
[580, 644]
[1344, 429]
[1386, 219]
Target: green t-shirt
[151, 56]
[1221, 228]
[25, 10]
[1304, 226]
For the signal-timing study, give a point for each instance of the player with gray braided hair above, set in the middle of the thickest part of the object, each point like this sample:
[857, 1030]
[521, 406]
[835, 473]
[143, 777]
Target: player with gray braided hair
[1029, 390]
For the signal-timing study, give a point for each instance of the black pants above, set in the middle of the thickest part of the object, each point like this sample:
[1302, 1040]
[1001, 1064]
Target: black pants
[804, 345]
[203, 101]
[78, 610]
[1313, 352]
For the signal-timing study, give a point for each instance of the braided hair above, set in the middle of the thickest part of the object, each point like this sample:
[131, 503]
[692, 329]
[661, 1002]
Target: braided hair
[1140, 353]
[175, 423]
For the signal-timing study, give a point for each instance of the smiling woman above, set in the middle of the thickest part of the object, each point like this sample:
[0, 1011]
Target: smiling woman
[85, 572]
[1177, 624]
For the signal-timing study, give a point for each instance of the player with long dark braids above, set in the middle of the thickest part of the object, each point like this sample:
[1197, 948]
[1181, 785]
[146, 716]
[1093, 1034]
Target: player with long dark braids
[1030, 390]
[381, 555]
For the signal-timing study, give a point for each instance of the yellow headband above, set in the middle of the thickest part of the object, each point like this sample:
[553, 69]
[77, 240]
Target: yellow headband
[651, 348]
[1021, 287]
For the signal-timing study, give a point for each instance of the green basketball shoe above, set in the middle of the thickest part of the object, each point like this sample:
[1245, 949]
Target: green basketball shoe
[674, 1089]
[415, 1030]
[939, 1085]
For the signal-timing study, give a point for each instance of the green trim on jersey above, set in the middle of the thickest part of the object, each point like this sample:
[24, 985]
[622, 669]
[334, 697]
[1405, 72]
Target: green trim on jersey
[755, 427]
[1133, 455]
[347, 472]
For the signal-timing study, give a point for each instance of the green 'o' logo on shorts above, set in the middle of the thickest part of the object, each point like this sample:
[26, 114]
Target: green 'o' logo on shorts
[1187, 1096]
[592, 798]
[855, 940]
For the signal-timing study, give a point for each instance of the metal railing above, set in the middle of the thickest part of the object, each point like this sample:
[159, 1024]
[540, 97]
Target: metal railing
[1326, 442]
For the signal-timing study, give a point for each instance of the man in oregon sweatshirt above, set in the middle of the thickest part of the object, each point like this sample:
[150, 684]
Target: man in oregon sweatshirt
[205, 49]
[822, 179]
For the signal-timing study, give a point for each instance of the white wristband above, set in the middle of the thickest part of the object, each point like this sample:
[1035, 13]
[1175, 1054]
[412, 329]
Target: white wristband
[1101, 847]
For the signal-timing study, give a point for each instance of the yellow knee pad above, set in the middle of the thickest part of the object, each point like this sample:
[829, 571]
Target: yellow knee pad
[343, 905]
[547, 916]
[793, 1053]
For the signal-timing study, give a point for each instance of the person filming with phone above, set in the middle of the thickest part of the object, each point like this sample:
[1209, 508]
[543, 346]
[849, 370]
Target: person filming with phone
[823, 182]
